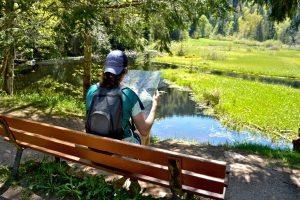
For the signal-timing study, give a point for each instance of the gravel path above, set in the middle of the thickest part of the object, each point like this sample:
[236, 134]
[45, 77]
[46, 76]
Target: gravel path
[251, 177]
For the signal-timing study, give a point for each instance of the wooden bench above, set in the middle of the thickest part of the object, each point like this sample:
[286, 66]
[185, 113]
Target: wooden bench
[179, 172]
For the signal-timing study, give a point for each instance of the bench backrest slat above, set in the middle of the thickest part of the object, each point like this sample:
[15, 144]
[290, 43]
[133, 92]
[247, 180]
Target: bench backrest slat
[131, 165]
[190, 163]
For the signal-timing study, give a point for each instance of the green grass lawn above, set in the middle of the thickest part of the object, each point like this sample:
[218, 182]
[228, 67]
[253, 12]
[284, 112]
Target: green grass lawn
[243, 57]
[48, 96]
[271, 109]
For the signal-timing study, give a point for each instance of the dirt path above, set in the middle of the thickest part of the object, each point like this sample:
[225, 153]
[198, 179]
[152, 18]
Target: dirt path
[251, 177]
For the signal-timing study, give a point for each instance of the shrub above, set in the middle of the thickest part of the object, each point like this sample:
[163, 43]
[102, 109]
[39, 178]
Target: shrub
[181, 51]
[272, 44]
[214, 55]
[211, 98]
[132, 57]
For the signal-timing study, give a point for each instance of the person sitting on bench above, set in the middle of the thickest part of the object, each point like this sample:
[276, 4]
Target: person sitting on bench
[114, 110]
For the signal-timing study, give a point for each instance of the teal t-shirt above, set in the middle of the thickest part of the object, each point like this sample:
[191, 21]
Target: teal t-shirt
[131, 107]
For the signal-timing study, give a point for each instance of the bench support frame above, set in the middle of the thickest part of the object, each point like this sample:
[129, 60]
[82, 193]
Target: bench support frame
[175, 178]
[18, 156]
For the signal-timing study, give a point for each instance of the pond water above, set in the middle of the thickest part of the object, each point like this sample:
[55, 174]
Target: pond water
[181, 118]
[178, 116]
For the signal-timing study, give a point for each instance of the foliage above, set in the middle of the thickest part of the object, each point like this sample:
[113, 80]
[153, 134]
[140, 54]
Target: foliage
[29, 28]
[59, 180]
[127, 29]
[203, 28]
[270, 109]
[4, 173]
[280, 8]
[211, 98]
[248, 24]
[252, 21]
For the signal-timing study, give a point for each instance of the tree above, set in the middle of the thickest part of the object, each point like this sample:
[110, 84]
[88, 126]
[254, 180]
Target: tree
[7, 69]
[194, 29]
[204, 27]
[235, 26]
[280, 9]
[269, 31]
[294, 27]
[259, 32]
[248, 25]
[22, 26]
[126, 28]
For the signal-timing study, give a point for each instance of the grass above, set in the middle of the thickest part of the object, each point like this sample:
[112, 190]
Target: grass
[59, 180]
[242, 57]
[4, 173]
[48, 96]
[53, 180]
[271, 109]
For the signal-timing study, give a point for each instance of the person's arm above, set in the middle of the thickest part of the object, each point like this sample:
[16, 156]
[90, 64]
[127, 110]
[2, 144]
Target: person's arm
[144, 125]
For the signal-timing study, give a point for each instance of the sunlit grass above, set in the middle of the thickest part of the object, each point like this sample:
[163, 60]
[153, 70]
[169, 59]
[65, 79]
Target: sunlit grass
[51, 104]
[271, 109]
[258, 59]
[47, 96]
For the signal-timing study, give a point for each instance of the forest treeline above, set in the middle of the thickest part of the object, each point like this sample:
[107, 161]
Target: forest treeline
[248, 21]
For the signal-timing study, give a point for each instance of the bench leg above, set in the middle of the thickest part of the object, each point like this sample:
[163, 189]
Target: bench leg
[189, 196]
[57, 159]
[14, 172]
[175, 179]
[175, 197]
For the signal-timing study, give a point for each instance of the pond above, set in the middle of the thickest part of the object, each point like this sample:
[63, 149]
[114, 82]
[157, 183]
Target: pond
[180, 118]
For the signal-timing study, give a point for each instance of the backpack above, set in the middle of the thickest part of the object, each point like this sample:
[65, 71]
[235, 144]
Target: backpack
[104, 117]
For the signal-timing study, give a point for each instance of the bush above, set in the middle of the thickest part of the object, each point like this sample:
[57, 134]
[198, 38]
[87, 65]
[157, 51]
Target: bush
[181, 51]
[148, 55]
[214, 55]
[132, 57]
[272, 44]
[211, 98]
[250, 43]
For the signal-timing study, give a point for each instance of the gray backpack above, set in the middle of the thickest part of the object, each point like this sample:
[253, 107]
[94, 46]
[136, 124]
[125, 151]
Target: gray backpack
[104, 117]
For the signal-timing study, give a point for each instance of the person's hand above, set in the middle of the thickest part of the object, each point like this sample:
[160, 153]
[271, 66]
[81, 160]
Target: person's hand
[156, 98]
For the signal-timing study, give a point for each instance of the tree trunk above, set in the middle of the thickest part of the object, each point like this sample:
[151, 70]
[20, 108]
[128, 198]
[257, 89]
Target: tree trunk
[8, 70]
[87, 63]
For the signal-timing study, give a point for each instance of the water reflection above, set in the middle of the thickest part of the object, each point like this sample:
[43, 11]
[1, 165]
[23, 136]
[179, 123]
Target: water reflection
[67, 73]
[180, 119]
[176, 103]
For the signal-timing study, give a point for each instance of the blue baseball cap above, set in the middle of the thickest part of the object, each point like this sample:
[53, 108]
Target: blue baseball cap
[116, 62]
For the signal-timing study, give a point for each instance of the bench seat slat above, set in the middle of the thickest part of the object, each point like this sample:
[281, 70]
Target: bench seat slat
[191, 163]
[129, 164]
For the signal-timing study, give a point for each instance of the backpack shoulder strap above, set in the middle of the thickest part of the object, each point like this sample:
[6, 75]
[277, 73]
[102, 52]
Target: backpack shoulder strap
[126, 90]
